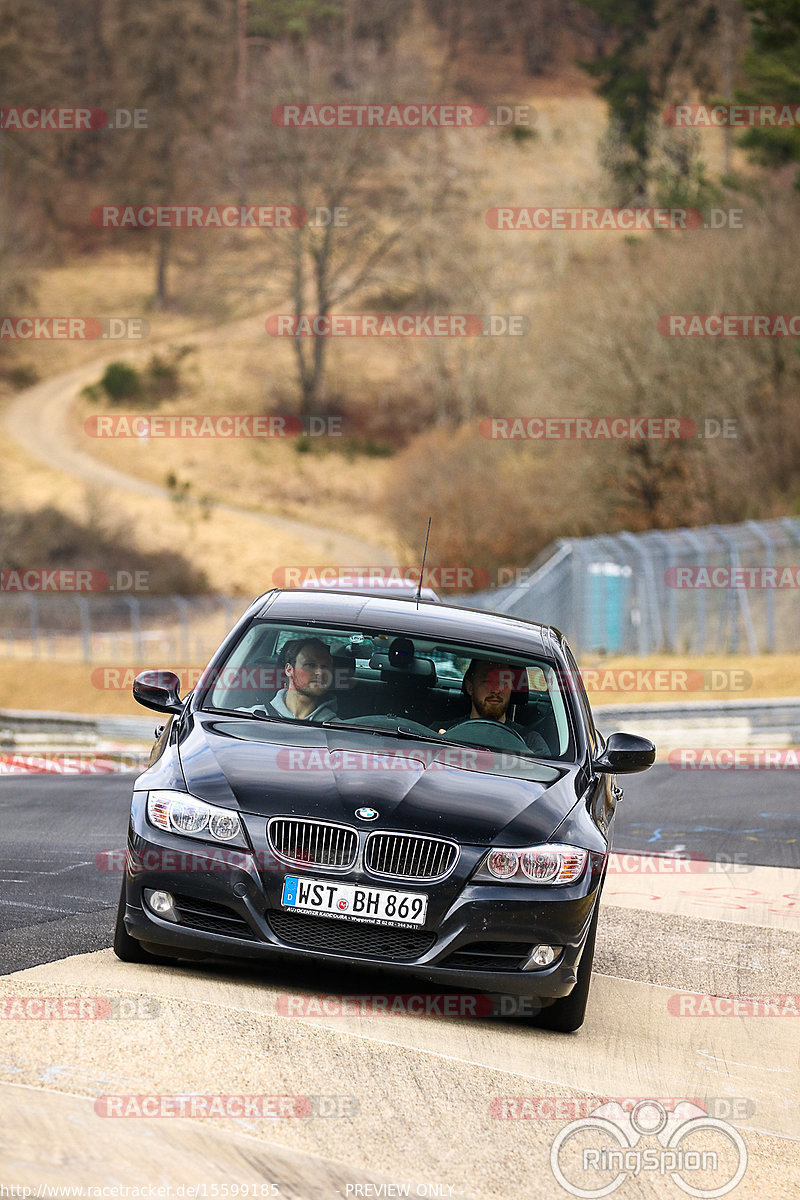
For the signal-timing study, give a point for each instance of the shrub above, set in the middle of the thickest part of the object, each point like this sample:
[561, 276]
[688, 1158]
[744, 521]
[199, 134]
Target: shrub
[121, 382]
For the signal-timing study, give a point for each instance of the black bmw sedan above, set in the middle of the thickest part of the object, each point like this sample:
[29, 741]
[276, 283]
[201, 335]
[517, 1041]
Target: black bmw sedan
[409, 786]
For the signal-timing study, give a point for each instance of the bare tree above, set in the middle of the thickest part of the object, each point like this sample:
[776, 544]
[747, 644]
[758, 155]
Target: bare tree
[177, 59]
[353, 183]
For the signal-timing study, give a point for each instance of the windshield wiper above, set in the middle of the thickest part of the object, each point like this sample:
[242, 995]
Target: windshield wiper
[391, 731]
[244, 714]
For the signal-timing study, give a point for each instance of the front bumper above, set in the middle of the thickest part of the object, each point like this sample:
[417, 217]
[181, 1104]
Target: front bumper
[229, 906]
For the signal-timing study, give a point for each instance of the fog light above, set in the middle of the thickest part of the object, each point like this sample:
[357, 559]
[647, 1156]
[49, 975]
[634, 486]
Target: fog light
[162, 904]
[542, 956]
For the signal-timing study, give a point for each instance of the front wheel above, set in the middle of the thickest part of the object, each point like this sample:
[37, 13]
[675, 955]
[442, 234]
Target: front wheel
[127, 948]
[566, 1014]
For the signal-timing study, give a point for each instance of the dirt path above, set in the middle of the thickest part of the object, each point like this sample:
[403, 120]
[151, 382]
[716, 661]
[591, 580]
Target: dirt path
[38, 420]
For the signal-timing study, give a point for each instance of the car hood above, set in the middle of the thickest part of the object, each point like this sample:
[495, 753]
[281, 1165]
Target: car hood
[302, 770]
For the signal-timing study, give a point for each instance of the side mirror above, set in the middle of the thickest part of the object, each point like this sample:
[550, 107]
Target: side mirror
[158, 690]
[625, 754]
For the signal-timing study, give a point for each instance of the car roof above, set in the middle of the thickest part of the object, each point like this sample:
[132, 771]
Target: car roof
[429, 619]
[403, 589]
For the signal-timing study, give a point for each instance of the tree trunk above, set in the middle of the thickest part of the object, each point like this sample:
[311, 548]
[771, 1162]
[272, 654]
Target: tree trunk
[162, 263]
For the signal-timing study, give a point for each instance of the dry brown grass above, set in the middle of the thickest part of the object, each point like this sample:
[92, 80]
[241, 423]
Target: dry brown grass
[239, 369]
[741, 677]
[62, 687]
[91, 688]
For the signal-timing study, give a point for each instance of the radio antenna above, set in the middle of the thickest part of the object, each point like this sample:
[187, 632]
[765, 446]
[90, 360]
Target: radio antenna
[422, 568]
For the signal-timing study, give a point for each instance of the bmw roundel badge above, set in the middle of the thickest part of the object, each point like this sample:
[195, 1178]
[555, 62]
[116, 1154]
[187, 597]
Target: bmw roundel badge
[367, 814]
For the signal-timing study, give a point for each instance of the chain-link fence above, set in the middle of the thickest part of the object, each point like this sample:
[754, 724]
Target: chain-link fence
[134, 630]
[721, 588]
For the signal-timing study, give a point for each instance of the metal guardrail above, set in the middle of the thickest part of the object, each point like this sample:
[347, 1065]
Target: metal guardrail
[767, 723]
[123, 728]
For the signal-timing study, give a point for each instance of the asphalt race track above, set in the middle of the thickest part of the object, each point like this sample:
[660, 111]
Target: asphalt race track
[447, 1106]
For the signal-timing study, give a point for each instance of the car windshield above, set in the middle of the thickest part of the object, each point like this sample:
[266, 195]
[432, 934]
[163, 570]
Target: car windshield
[395, 684]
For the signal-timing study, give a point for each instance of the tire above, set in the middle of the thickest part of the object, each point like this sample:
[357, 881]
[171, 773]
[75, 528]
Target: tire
[566, 1014]
[127, 948]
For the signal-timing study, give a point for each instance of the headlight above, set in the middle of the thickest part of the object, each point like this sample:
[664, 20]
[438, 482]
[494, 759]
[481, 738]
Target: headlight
[551, 864]
[178, 812]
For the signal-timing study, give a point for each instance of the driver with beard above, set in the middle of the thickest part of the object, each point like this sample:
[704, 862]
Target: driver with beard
[489, 686]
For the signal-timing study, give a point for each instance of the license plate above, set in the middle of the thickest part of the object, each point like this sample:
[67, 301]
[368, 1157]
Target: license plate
[351, 902]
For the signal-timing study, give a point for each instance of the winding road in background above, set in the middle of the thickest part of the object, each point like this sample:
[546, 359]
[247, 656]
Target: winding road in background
[401, 1104]
[38, 420]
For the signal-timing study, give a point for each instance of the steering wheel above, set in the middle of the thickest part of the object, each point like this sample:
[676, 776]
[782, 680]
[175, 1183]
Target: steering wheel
[465, 728]
[390, 722]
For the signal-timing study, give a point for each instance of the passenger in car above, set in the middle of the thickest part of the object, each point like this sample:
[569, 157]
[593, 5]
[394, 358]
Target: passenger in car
[490, 686]
[308, 666]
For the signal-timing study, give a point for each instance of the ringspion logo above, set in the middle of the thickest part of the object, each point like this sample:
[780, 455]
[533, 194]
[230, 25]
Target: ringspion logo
[595, 1155]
